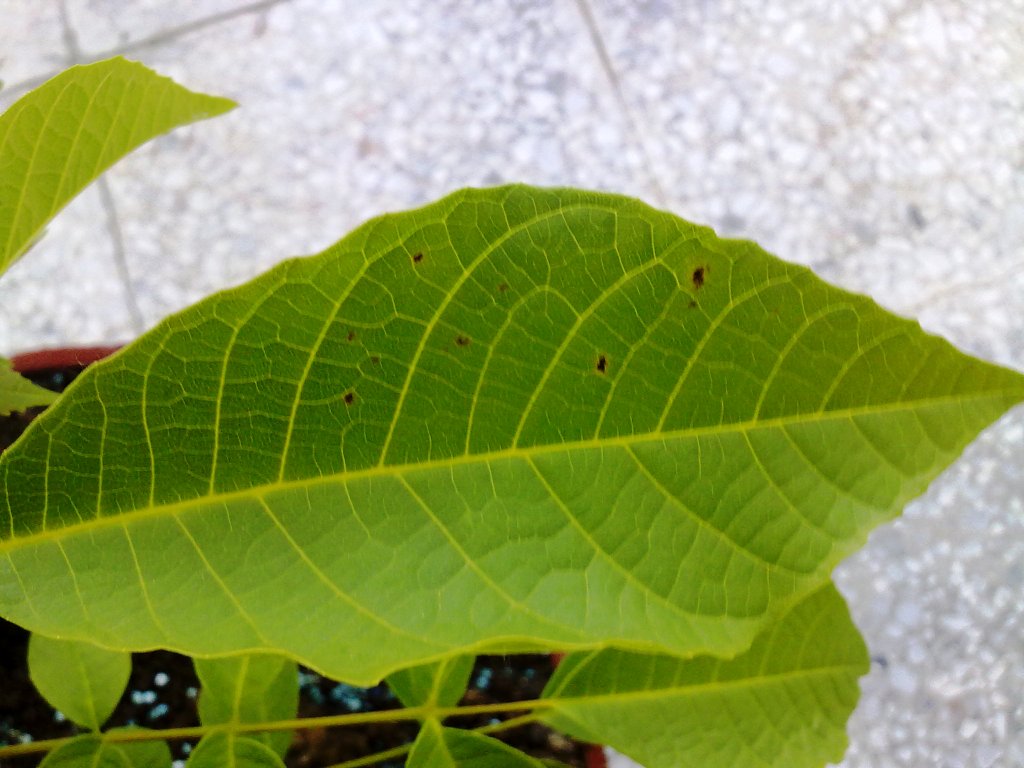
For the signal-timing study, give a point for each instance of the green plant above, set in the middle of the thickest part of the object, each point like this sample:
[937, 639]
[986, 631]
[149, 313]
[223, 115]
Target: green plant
[515, 419]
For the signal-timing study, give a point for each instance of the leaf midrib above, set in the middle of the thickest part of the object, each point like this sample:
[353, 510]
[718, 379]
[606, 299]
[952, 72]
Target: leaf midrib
[515, 452]
[710, 686]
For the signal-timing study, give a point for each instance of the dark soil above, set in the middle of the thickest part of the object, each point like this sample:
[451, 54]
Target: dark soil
[163, 688]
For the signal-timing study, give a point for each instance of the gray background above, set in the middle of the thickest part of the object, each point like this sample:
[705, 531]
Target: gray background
[879, 141]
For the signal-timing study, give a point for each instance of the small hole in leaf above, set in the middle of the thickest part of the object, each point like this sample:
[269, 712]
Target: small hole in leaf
[462, 341]
[418, 257]
[698, 277]
[602, 364]
[349, 398]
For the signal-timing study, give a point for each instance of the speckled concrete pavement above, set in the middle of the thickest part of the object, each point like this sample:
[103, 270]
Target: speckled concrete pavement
[879, 141]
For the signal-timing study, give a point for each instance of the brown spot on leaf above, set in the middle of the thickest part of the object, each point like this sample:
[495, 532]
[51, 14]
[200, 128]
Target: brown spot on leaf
[349, 398]
[602, 364]
[417, 257]
[375, 359]
[698, 277]
[503, 287]
[692, 304]
[462, 341]
[351, 336]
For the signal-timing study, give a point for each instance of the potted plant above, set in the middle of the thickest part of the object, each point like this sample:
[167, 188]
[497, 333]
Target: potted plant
[513, 420]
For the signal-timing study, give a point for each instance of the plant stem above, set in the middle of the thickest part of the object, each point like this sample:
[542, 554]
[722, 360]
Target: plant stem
[332, 721]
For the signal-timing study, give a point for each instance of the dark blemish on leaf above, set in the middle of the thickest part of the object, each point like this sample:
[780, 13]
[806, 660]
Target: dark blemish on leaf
[698, 277]
[692, 304]
[462, 341]
[349, 398]
[418, 257]
[351, 336]
[503, 287]
[602, 364]
[374, 359]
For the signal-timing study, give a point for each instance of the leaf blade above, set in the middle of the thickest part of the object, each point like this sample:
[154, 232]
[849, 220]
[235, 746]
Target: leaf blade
[80, 679]
[249, 689]
[60, 136]
[440, 684]
[521, 419]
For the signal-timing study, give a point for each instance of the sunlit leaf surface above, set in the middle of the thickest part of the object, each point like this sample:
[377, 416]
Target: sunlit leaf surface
[513, 419]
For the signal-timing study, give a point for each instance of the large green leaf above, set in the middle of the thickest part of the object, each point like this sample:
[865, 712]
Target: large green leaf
[80, 679]
[513, 419]
[62, 135]
[440, 747]
[250, 688]
[783, 703]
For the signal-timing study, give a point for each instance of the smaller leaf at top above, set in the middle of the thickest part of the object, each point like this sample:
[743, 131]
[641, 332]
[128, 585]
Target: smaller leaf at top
[18, 393]
[82, 680]
[59, 137]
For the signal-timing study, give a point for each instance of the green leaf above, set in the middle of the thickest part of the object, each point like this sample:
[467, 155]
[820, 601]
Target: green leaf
[250, 689]
[80, 679]
[91, 751]
[783, 703]
[440, 684]
[440, 747]
[223, 750]
[62, 135]
[514, 419]
[18, 393]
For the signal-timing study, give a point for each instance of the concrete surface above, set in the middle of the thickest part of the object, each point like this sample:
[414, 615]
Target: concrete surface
[879, 141]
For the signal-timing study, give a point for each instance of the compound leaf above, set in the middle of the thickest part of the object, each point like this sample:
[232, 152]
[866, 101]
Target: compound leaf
[784, 702]
[80, 679]
[514, 419]
[60, 136]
